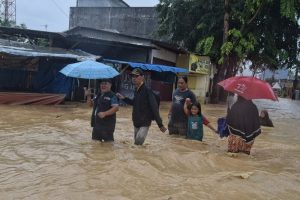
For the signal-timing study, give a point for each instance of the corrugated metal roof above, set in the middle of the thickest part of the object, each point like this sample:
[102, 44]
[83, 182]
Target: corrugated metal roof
[22, 49]
[109, 36]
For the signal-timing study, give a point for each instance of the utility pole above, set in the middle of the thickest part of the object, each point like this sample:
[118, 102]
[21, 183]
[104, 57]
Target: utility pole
[8, 11]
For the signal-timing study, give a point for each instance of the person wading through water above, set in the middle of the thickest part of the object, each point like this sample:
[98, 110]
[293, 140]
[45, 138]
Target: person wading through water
[178, 120]
[145, 107]
[103, 119]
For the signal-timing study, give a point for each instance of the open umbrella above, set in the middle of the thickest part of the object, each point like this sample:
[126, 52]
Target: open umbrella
[249, 87]
[89, 69]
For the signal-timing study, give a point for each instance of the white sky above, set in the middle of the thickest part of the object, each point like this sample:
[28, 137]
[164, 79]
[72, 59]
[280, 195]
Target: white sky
[37, 14]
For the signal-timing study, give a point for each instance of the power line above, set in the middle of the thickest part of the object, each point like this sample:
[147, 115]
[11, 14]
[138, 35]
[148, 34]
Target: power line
[59, 8]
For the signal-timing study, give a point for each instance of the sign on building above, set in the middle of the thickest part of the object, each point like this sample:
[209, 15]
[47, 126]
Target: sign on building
[199, 64]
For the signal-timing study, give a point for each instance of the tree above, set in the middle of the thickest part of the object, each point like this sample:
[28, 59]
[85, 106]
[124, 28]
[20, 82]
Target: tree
[266, 32]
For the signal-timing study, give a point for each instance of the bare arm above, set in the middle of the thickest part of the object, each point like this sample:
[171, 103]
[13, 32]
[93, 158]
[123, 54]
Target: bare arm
[211, 128]
[88, 94]
[207, 123]
[185, 108]
[125, 99]
[89, 101]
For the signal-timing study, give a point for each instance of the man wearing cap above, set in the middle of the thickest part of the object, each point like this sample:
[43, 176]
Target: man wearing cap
[145, 107]
[105, 105]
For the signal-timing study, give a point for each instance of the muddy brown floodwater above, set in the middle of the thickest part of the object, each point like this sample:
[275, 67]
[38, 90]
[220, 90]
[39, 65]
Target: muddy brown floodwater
[46, 152]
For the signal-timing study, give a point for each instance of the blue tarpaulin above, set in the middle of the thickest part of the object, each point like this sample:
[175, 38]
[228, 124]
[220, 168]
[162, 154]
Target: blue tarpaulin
[151, 67]
[46, 80]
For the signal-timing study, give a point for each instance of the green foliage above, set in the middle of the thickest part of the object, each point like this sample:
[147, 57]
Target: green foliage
[288, 9]
[263, 31]
[204, 46]
[237, 45]
[226, 48]
[194, 24]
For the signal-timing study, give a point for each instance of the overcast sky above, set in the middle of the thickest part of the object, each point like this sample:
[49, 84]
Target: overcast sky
[54, 14]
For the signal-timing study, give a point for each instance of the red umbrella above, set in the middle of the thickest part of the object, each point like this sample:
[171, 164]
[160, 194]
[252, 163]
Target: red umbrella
[249, 87]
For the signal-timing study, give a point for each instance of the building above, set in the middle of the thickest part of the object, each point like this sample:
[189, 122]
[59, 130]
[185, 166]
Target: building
[114, 15]
[109, 44]
[29, 73]
[141, 23]
[125, 49]
[201, 73]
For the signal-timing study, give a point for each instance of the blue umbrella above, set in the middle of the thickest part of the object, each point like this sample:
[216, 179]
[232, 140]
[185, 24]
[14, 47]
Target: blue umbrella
[89, 69]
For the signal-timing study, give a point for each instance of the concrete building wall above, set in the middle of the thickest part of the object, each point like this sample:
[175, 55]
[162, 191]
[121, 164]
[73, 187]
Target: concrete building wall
[199, 85]
[101, 3]
[131, 21]
[164, 54]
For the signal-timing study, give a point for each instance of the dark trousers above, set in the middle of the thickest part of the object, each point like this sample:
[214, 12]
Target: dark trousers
[102, 134]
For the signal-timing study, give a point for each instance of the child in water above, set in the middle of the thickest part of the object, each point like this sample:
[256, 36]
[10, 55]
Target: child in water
[195, 120]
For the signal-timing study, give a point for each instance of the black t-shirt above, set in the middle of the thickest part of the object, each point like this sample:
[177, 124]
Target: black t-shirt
[178, 100]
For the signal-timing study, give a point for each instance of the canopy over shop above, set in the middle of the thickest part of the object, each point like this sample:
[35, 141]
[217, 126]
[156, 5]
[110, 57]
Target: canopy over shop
[158, 77]
[32, 69]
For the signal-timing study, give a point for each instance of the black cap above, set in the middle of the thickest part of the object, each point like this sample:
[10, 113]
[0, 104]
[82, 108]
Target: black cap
[137, 71]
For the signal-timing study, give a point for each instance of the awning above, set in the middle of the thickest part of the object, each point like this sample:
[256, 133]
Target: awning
[151, 67]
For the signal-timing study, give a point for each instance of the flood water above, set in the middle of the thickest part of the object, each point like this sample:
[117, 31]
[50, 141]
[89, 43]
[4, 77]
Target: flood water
[46, 152]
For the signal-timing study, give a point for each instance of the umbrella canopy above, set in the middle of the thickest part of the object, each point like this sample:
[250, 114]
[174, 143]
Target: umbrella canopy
[249, 87]
[89, 69]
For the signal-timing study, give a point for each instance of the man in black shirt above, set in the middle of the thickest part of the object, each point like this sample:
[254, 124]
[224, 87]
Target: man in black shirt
[145, 107]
